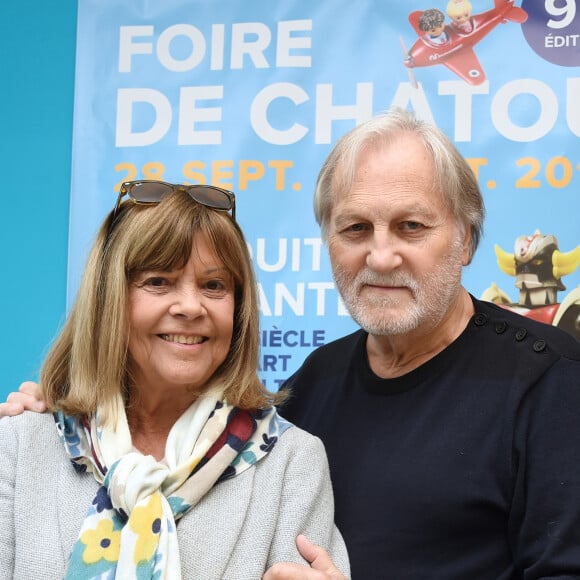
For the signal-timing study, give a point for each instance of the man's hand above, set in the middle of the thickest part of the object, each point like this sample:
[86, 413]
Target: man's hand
[26, 398]
[321, 566]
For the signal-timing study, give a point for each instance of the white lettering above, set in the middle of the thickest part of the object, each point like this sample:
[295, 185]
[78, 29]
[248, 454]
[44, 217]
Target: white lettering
[463, 93]
[197, 40]
[327, 112]
[296, 299]
[259, 114]
[547, 116]
[191, 114]
[249, 44]
[217, 47]
[413, 98]
[282, 260]
[287, 43]
[253, 48]
[127, 48]
[125, 136]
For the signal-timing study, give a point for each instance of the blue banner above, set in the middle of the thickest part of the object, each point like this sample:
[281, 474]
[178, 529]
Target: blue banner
[252, 95]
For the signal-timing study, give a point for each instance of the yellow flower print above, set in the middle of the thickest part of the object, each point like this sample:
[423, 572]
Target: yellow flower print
[145, 521]
[102, 543]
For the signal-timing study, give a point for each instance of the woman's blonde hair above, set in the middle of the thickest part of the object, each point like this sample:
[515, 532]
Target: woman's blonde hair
[86, 367]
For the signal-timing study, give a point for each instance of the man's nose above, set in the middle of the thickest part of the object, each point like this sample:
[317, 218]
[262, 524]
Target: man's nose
[384, 253]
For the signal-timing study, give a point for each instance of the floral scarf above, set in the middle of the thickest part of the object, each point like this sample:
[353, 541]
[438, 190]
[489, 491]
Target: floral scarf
[130, 528]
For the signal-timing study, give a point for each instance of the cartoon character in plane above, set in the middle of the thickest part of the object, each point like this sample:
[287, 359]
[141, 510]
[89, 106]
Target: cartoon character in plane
[538, 267]
[452, 44]
[460, 13]
[432, 23]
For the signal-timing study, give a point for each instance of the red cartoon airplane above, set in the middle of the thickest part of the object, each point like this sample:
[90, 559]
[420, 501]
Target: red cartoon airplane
[456, 53]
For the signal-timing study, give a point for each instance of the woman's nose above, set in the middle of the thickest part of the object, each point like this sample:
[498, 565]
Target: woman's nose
[188, 303]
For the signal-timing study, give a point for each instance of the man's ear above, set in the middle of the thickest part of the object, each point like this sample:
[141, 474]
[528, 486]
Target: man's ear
[466, 258]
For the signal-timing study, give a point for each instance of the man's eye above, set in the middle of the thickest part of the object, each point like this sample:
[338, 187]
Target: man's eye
[413, 226]
[355, 228]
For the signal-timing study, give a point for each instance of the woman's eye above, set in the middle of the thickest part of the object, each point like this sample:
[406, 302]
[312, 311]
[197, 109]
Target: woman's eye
[214, 285]
[219, 286]
[155, 282]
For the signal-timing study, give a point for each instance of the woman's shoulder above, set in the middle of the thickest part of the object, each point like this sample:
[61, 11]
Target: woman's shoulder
[297, 442]
[38, 428]
[28, 419]
[296, 458]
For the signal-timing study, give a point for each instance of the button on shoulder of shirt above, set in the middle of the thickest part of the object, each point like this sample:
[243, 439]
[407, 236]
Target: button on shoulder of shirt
[480, 319]
[539, 345]
[521, 333]
[500, 327]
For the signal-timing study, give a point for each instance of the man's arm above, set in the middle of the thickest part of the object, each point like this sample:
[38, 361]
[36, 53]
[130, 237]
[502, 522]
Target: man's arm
[26, 398]
[544, 526]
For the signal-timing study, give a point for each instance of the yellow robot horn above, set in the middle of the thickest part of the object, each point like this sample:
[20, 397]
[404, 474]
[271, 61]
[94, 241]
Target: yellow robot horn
[564, 264]
[505, 261]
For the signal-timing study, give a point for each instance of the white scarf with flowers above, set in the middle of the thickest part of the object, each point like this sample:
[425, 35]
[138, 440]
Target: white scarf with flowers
[130, 528]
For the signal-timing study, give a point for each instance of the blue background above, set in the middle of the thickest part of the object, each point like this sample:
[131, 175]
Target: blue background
[38, 58]
[37, 45]
[518, 124]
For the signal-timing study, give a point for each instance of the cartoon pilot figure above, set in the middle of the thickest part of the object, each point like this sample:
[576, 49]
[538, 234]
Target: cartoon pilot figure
[460, 13]
[432, 23]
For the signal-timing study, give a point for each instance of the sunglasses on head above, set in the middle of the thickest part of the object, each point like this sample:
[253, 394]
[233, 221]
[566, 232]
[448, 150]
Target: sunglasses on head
[149, 191]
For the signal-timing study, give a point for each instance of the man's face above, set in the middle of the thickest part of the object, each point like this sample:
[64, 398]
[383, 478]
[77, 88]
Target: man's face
[396, 250]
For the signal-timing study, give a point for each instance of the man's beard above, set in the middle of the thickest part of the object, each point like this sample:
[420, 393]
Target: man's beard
[431, 296]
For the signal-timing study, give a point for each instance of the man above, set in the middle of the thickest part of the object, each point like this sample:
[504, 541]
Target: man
[451, 425]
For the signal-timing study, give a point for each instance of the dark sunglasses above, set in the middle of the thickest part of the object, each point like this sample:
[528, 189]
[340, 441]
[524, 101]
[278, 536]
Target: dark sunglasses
[149, 191]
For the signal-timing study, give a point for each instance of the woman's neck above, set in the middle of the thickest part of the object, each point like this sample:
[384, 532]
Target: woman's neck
[151, 423]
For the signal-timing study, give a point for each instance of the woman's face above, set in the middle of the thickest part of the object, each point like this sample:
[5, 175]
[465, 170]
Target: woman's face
[181, 323]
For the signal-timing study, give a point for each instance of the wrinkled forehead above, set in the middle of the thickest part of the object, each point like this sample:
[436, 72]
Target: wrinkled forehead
[406, 151]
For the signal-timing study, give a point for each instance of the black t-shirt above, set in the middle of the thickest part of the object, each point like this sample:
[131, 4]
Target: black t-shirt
[465, 468]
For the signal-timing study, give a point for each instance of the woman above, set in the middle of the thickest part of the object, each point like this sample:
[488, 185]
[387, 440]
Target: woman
[168, 459]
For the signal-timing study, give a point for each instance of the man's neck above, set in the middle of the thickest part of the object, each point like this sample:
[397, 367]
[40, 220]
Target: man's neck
[396, 355]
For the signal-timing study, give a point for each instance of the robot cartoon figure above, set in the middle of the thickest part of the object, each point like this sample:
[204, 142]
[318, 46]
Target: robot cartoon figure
[538, 267]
